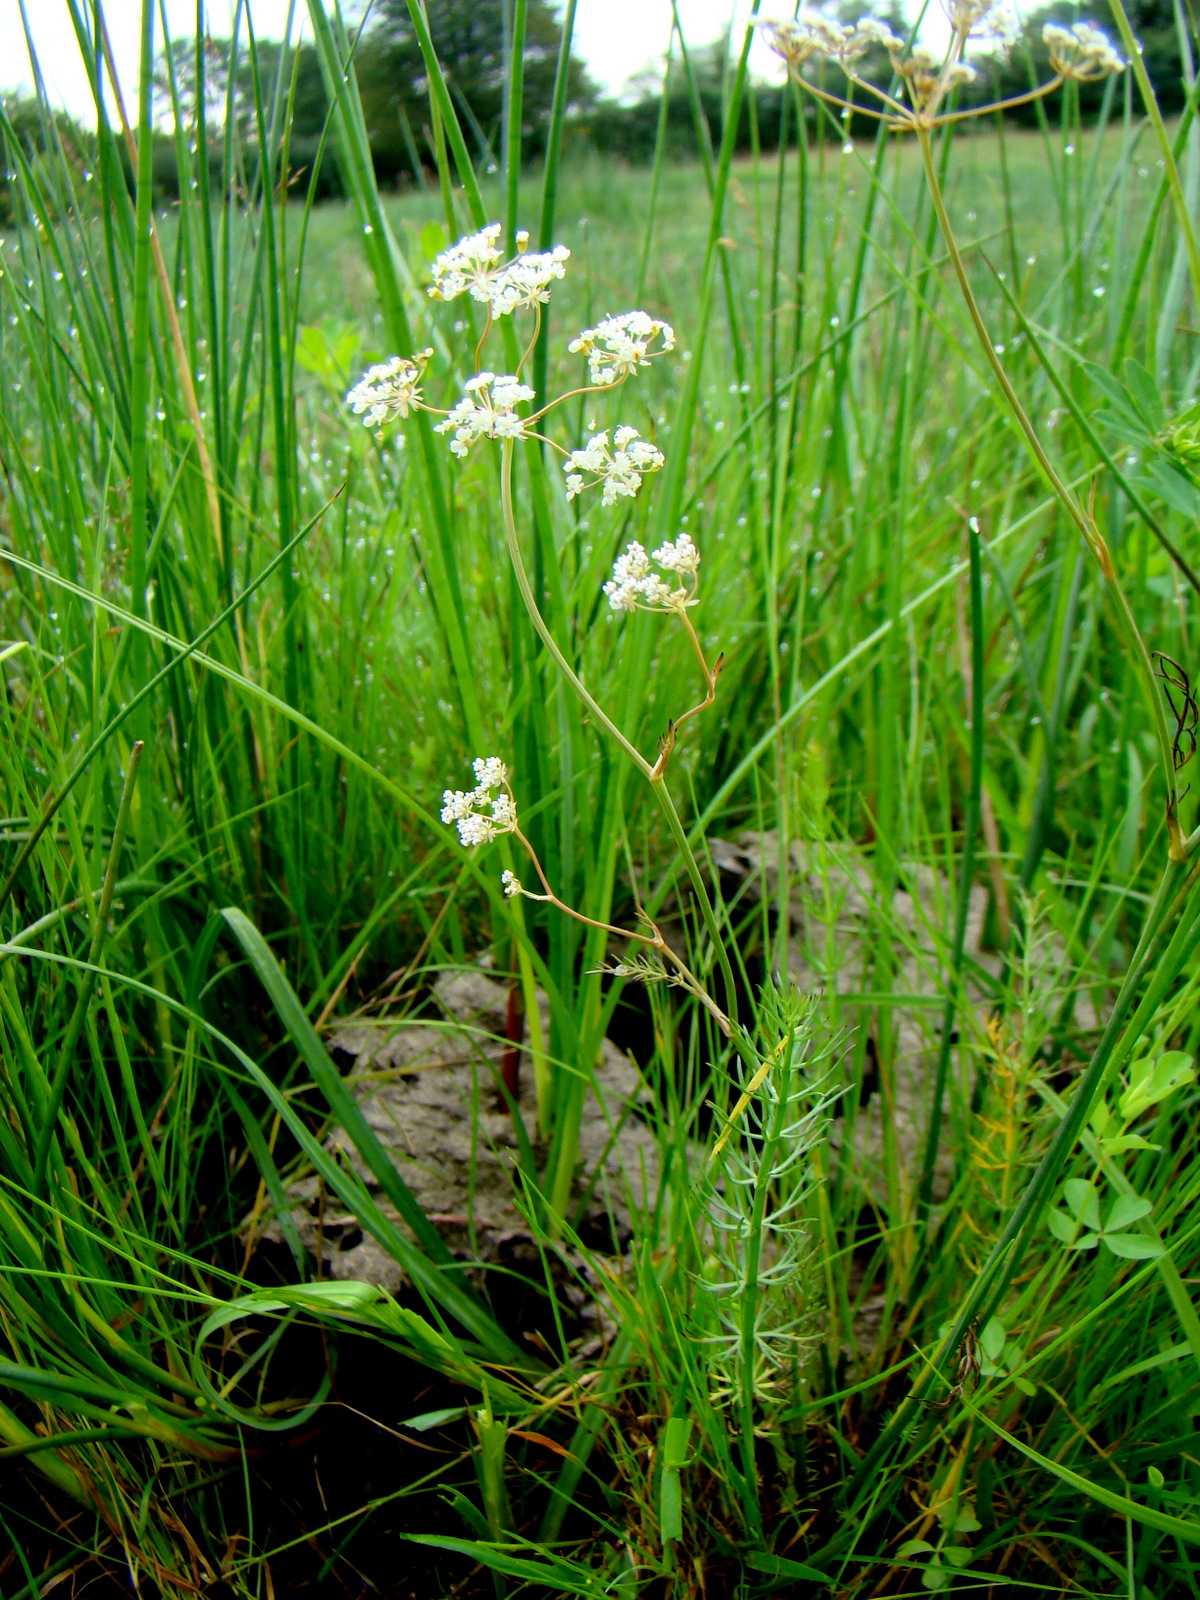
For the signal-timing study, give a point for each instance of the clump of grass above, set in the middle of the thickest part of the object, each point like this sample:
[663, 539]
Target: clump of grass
[247, 642]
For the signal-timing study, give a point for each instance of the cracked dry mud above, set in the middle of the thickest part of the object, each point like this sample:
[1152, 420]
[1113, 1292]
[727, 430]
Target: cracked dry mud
[428, 1088]
[834, 912]
[429, 1091]
[836, 917]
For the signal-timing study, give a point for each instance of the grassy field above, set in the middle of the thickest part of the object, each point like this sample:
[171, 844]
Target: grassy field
[901, 1299]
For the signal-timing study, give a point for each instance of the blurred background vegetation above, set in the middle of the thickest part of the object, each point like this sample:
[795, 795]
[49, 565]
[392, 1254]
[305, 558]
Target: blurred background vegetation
[472, 44]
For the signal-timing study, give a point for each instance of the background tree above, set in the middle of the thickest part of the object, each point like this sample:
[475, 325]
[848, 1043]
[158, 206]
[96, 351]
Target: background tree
[42, 137]
[472, 39]
[298, 73]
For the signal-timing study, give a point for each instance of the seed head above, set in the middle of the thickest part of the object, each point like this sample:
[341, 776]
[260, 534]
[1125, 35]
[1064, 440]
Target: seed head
[866, 33]
[813, 34]
[809, 35]
[1083, 52]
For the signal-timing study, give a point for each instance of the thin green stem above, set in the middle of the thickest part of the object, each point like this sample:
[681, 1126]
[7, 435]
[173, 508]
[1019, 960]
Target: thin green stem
[66, 1055]
[966, 873]
[1084, 521]
[539, 622]
[1182, 214]
[644, 767]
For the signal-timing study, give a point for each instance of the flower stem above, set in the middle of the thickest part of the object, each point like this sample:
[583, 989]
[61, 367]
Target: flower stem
[655, 939]
[710, 680]
[539, 622]
[654, 778]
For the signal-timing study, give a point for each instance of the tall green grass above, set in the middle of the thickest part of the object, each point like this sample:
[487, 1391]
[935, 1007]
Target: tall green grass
[246, 646]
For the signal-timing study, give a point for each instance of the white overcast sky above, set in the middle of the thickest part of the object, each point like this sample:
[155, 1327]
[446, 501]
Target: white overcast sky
[617, 38]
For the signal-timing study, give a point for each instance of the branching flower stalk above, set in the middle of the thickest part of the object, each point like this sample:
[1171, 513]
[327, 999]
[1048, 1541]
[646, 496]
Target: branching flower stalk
[1083, 518]
[655, 772]
[498, 407]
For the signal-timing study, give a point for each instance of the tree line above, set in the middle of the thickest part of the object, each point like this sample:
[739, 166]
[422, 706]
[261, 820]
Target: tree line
[226, 88]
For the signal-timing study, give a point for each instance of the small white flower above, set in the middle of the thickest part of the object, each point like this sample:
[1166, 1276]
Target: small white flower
[504, 813]
[682, 556]
[474, 266]
[468, 267]
[512, 884]
[630, 572]
[635, 586]
[490, 772]
[618, 346]
[389, 389]
[526, 281]
[457, 804]
[1083, 52]
[480, 814]
[620, 470]
[487, 412]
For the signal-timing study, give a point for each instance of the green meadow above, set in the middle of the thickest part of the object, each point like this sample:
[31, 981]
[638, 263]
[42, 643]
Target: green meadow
[875, 1277]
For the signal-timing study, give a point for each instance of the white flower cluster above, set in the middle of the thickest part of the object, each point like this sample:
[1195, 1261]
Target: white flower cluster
[620, 470]
[481, 814]
[526, 281]
[618, 346]
[487, 411]
[469, 266]
[389, 389]
[635, 585]
[512, 884]
[1082, 52]
[474, 266]
[812, 34]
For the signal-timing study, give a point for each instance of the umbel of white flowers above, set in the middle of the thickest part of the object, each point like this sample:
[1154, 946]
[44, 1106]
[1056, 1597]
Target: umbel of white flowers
[620, 469]
[1082, 52]
[489, 411]
[488, 810]
[389, 390]
[634, 586]
[617, 348]
[473, 266]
